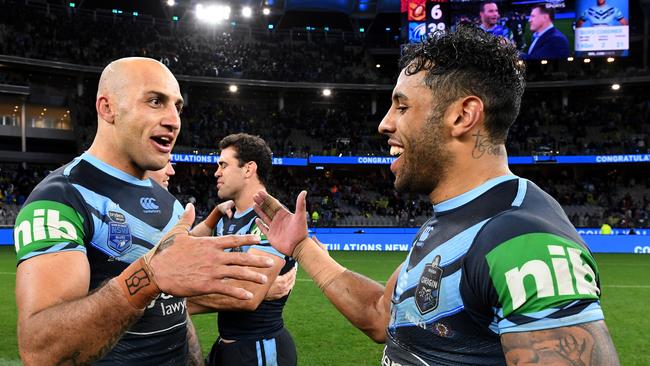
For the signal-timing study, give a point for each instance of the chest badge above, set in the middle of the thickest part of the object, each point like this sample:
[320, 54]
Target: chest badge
[427, 292]
[119, 236]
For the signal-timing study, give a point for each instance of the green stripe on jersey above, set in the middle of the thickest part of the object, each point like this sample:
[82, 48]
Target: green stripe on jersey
[538, 271]
[42, 224]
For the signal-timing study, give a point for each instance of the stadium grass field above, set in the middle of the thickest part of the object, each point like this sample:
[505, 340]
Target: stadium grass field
[324, 337]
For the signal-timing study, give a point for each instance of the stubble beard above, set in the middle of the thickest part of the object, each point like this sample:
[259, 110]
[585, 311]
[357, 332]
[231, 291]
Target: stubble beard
[426, 161]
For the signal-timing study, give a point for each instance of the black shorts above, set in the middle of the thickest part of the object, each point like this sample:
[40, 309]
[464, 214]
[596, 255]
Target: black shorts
[278, 351]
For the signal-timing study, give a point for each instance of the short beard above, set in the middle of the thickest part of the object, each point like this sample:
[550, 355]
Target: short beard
[428, 159]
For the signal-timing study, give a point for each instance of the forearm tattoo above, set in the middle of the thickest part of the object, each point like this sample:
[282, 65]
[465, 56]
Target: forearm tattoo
[579, 345]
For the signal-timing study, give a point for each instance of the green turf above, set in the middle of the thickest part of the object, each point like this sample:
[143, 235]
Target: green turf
[323, 336]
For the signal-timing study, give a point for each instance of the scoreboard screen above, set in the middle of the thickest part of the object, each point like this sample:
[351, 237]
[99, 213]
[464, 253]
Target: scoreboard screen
[425, 16]
[585, 28]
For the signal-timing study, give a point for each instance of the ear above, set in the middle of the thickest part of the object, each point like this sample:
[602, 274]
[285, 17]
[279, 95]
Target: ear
[251, 169]
[465, 114]
[105, 109]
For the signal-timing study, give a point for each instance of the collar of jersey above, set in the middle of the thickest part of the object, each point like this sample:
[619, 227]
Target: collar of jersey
[113, 171]
[242, 214]
[468, 196]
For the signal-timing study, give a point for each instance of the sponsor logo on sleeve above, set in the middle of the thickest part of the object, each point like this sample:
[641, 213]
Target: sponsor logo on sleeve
[44, 223]
[537, 271]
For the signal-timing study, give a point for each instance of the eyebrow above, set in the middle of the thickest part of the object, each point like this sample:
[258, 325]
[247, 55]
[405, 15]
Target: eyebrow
[165, 97]
[400, 95]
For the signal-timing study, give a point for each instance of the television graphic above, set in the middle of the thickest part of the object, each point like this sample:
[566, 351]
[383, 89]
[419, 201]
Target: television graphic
[602, 28]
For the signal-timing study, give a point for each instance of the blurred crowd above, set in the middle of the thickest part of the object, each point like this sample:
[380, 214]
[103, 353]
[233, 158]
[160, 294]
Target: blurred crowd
[583, 127]
[62, 35]
[65, 34]
[366, 197]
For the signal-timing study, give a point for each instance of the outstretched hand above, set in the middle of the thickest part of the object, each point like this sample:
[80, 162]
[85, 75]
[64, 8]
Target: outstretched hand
[283, 229]
[184, 265]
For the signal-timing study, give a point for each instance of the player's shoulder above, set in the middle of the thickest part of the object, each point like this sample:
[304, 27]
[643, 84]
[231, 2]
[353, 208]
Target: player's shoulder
[57, 186]
[530, 225]
[53, 217]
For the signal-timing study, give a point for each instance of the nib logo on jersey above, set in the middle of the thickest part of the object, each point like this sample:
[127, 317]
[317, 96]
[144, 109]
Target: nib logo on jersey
[41, 223]
[539, 271]
[149, 205]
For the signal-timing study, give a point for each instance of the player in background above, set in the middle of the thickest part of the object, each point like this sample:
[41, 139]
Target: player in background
[90, 285]
[601, 15]
[497, 275]
[250, 332]
[489, 15]
[163, 175]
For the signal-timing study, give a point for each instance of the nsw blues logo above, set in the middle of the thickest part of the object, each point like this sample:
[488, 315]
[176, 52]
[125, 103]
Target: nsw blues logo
[427, 292]
[119, 236]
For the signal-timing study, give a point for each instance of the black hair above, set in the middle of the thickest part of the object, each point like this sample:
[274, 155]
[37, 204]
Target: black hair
[544, 9]
[470, 61]
[482, 5]
[251, 148]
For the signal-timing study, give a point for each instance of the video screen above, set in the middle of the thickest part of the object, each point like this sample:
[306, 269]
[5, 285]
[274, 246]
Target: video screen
[541, 30]
[602, 28]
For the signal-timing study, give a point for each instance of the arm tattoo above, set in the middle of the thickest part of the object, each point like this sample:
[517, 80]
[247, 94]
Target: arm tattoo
[195, 356]
[484, 145]
[579, 345]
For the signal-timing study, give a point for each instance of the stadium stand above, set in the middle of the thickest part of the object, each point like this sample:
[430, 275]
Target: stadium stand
[570, 118]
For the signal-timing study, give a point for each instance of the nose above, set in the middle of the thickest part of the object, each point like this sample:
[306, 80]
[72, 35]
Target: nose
[217, 173]
[387, 125]
[172, 118]
[170, 170]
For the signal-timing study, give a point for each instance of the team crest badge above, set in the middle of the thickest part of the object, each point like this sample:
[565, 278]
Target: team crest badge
[427, 292]
[119, 237]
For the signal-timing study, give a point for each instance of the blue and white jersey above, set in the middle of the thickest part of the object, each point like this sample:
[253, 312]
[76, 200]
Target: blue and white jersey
[500, 258]
[601, 16]
[113, 218]
[266, 321]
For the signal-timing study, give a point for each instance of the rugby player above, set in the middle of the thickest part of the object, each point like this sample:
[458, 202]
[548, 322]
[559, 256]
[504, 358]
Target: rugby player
[489, 15]
[601, 15]
[163, 175]
[497, 275]
[251, 332]
[89, 286]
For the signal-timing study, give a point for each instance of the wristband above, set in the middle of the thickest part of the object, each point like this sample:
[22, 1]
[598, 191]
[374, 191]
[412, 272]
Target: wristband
[317, 263]
[138, 283]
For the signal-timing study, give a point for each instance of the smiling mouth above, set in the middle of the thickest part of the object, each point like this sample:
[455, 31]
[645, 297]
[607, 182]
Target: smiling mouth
[164, 141]
[396, 151]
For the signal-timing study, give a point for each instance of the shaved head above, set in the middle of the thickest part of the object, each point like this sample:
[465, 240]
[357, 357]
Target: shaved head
[138, 114]
[119, 74]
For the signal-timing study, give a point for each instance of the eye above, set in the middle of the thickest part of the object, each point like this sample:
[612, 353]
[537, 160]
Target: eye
[155, 102]
[179, 108]
[402, 109]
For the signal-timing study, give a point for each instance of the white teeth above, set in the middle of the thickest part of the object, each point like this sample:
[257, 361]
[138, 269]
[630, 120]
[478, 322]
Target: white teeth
[164, 138]
[396, 151]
